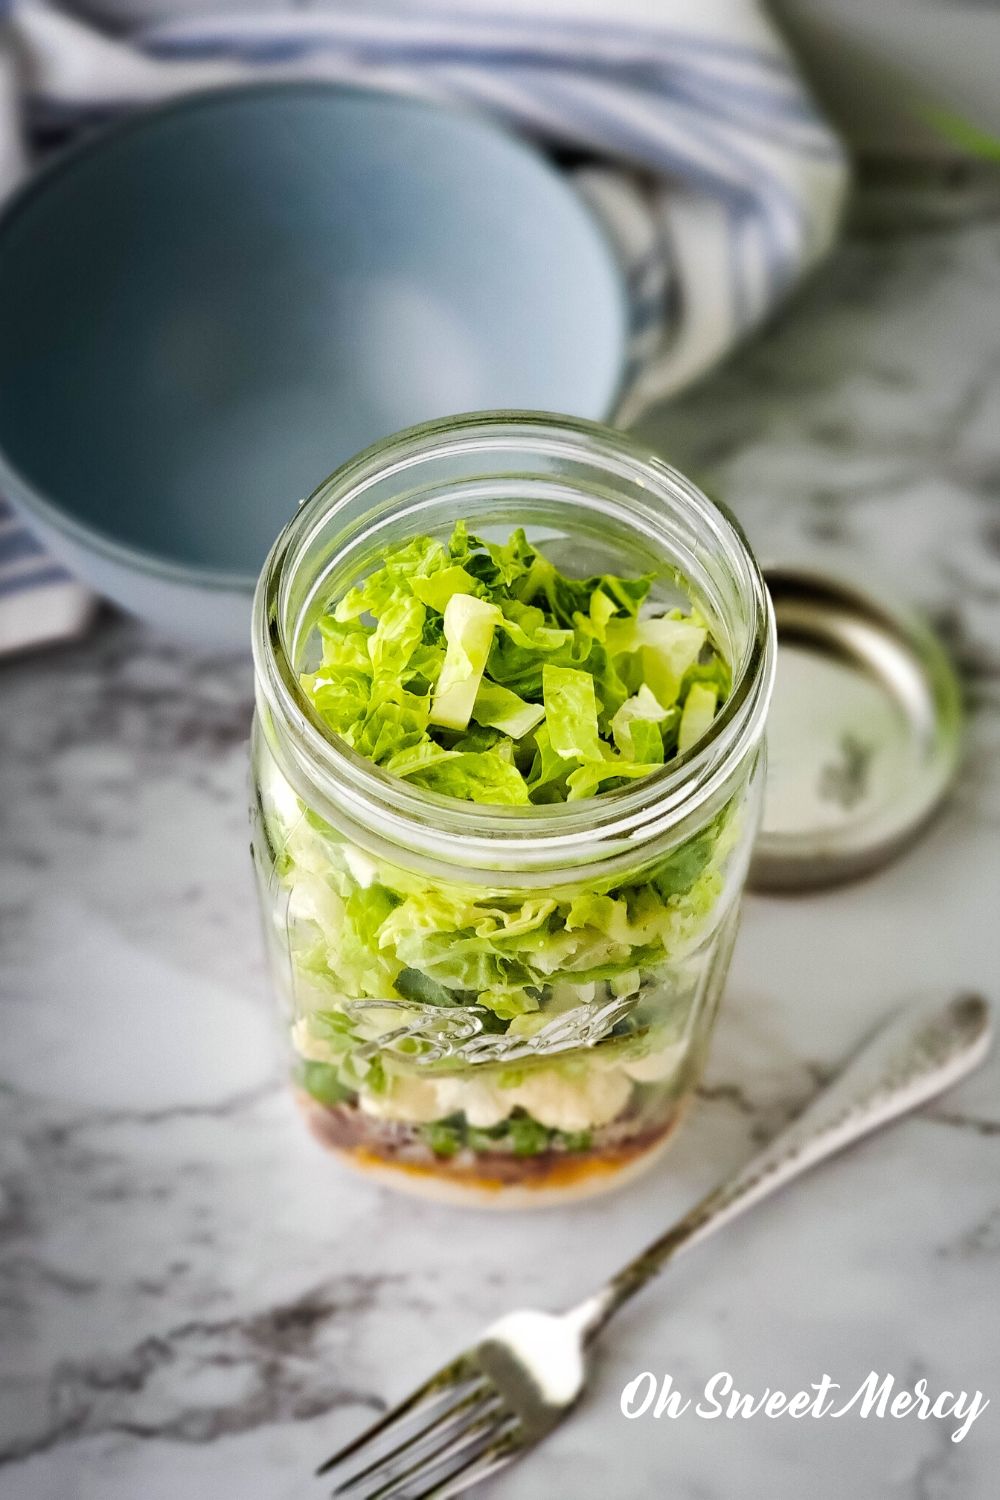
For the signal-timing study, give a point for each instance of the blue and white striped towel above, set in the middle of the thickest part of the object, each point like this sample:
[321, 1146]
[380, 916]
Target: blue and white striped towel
[39, 601]
[688, 125]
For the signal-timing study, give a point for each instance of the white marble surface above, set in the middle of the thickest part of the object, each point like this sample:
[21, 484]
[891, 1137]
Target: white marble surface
[195, 1301]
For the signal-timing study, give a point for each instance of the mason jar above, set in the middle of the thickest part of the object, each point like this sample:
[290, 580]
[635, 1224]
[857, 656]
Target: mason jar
[389, 910]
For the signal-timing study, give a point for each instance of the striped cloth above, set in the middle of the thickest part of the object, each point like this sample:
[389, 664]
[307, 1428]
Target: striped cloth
[687, 126]
[39, 601]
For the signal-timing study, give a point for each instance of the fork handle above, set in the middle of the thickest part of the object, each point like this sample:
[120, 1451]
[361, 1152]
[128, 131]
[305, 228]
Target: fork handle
[923, 1051]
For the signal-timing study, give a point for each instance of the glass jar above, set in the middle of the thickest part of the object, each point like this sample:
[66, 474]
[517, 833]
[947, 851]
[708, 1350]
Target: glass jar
[601, 928]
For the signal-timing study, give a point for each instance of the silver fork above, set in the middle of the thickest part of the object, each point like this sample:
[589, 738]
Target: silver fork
[528, 1370]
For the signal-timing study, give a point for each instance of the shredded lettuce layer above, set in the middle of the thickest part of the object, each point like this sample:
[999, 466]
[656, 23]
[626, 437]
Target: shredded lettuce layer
[481, 672]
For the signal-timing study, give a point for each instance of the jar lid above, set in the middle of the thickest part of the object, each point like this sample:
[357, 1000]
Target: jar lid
[863, 735]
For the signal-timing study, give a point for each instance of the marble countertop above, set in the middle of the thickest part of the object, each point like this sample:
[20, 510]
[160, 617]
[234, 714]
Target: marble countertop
[195, 1301]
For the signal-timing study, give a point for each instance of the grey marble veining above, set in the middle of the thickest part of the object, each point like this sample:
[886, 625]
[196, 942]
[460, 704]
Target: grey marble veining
[195, 1301]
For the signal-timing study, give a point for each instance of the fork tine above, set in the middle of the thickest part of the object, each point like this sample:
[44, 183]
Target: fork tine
[477, 1433]
[439, 1382]
[449, 1418]
[477, 1467]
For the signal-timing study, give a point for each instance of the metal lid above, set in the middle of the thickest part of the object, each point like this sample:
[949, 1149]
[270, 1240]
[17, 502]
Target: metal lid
[863, 734]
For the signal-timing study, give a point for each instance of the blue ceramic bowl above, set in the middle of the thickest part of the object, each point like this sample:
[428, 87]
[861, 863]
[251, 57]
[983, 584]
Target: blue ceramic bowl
[206, 310]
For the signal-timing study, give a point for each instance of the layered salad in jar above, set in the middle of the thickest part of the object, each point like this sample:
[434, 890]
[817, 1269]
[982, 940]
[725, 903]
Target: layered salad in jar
[466, 1032]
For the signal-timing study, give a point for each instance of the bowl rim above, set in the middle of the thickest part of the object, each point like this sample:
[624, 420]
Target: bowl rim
[21, 492]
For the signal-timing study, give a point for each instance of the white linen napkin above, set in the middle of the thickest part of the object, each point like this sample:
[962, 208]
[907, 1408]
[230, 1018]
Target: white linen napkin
[688, 126]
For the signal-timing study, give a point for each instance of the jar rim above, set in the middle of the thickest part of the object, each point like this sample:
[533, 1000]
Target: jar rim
[487, 834]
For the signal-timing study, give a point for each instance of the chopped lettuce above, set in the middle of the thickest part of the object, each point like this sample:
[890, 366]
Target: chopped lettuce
[696, 719]
[438, 588]
[501, 709]
[636, 727]
[478, 670]
[666, 647]
[571, 713]
[474, 776]
[397, 635]
[469, 623]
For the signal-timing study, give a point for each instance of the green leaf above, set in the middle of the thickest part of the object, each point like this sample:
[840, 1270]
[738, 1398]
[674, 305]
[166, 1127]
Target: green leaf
[483, 776]
[565, 597]
[666, 648]
[571, 713]
[367, 908]
[340, 701]
[469, 624]
[512, 560]
[697, 716]
[610, 686]
[627, 594]
[437, 588]
[415, 559]
[322, 1081]
[588, 779]
[595, 623]
[393, 719]
[525, 643]
[678, 871]
[397, 635]
[636, 726]
[345, 646]
[419, 987]
[331, 1025]
[422, 756]
[547, 779]
[645, 743]
[501, 709]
